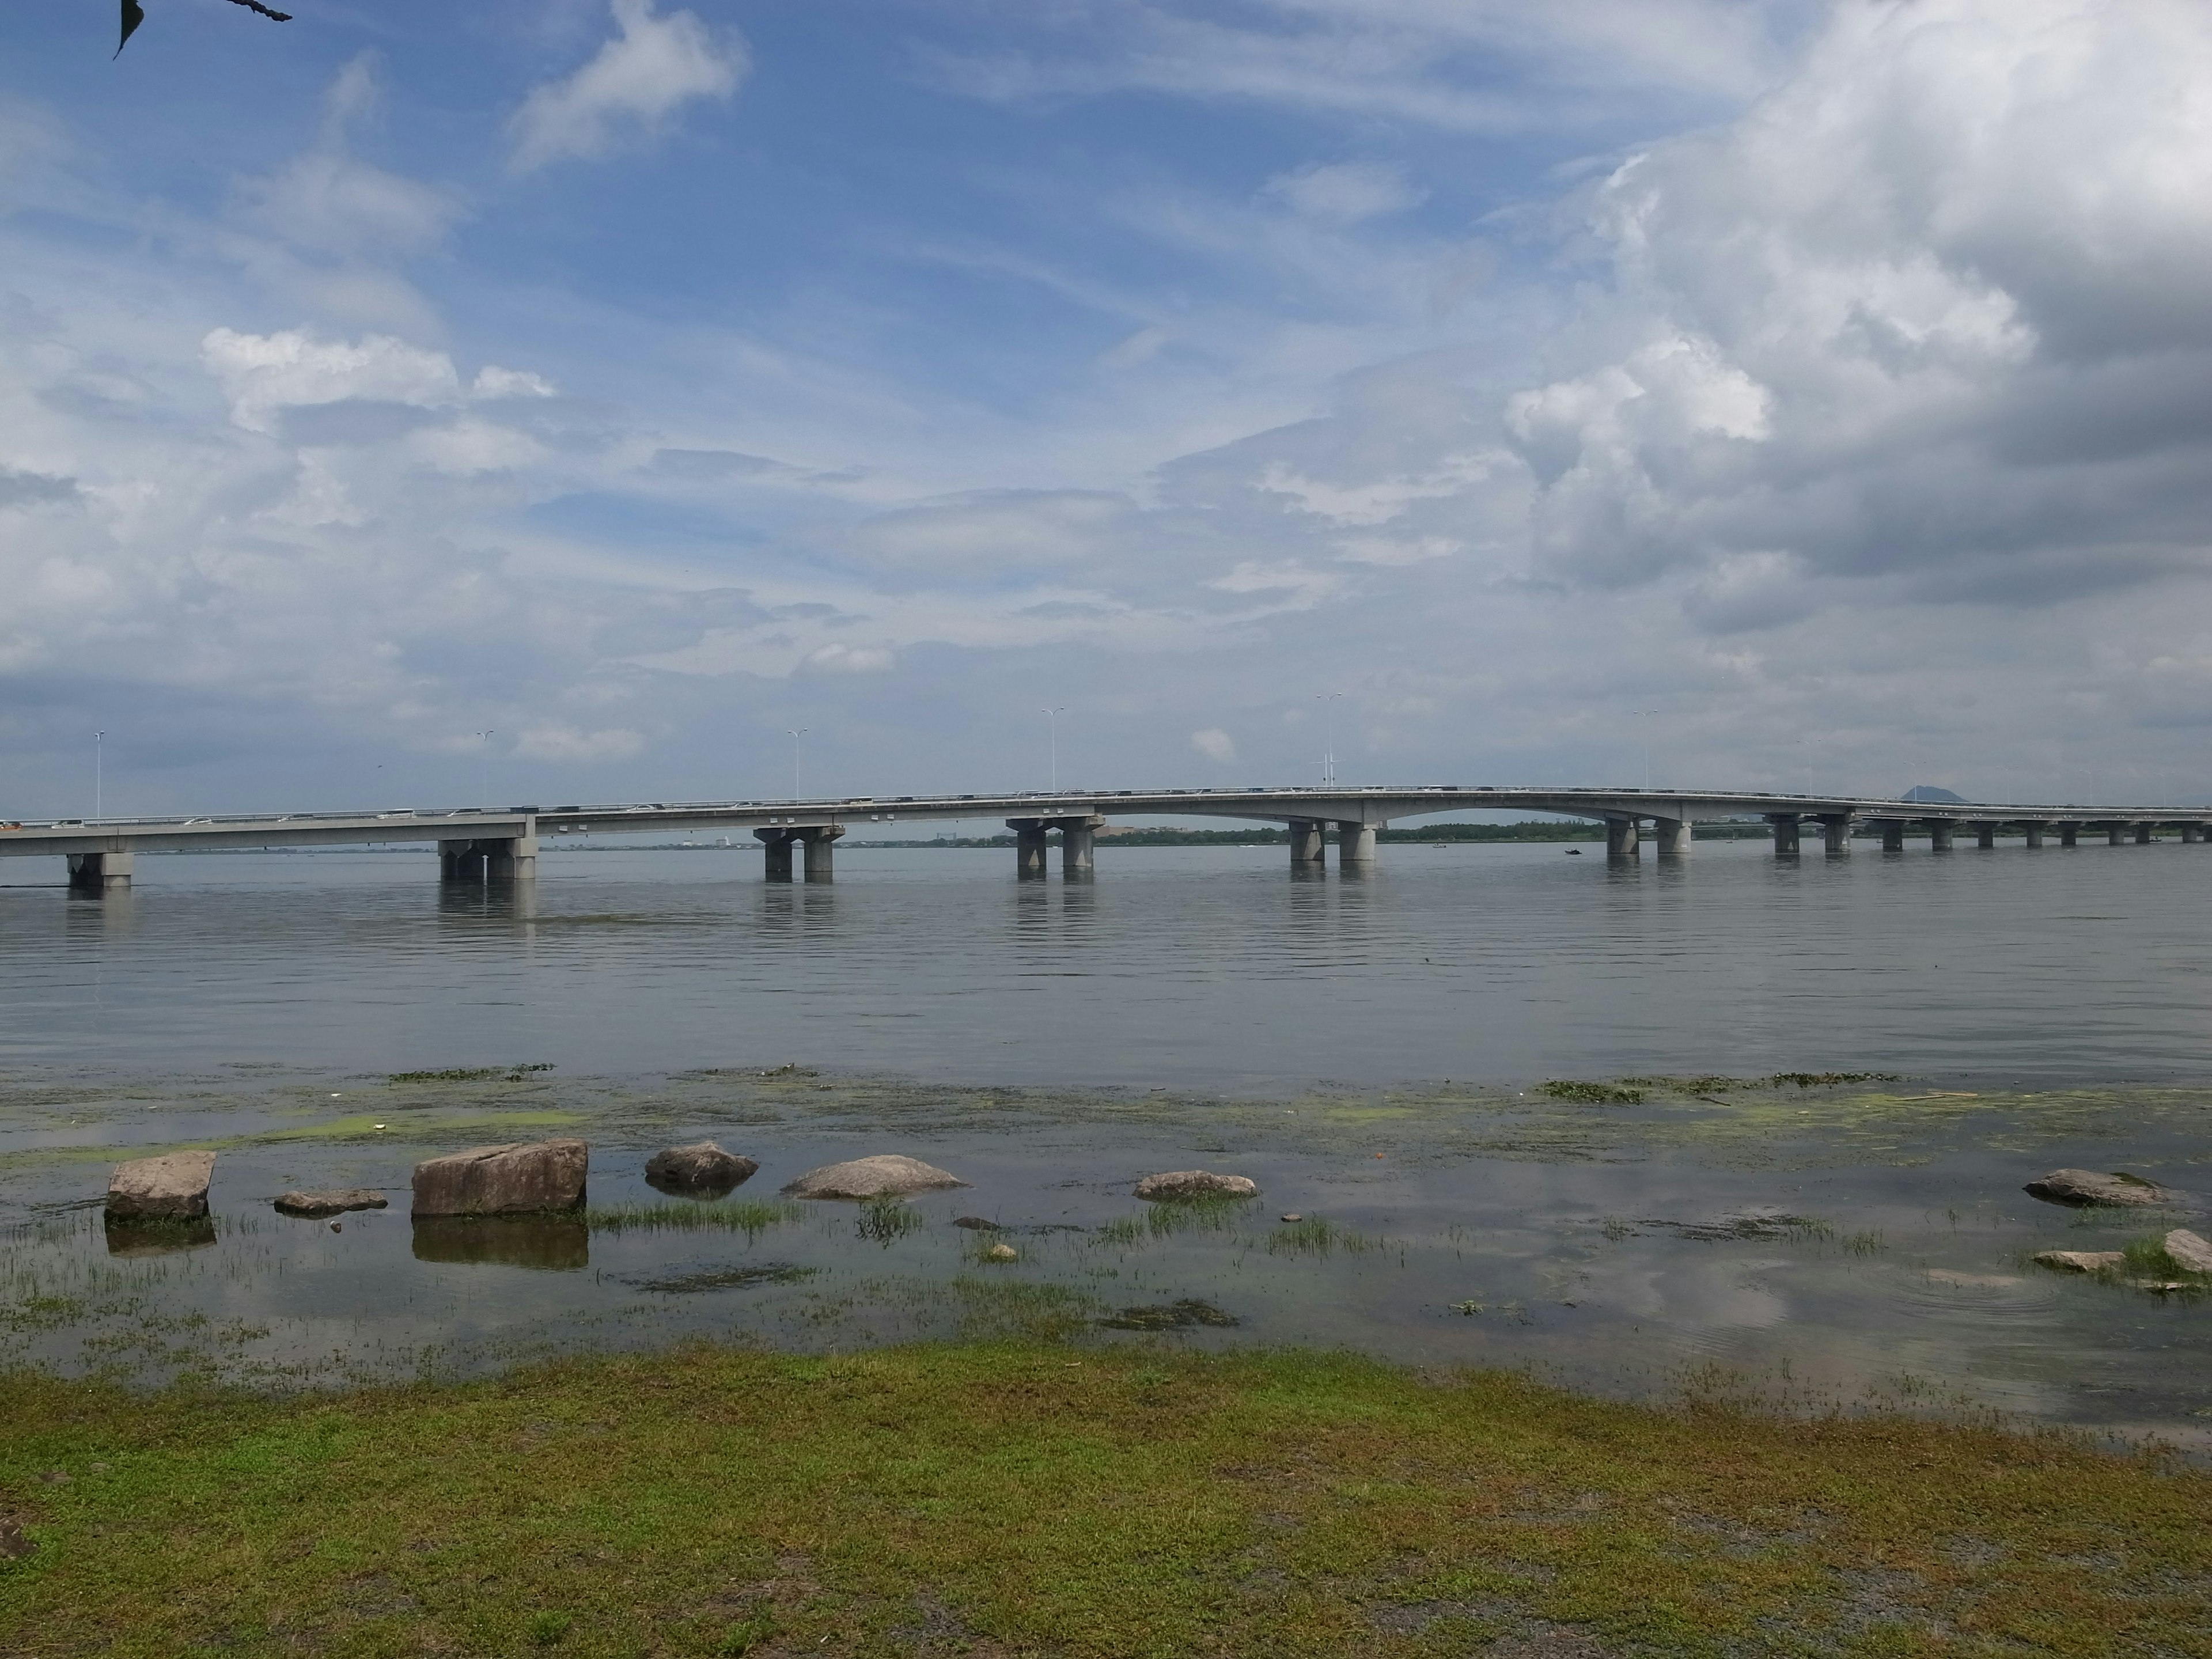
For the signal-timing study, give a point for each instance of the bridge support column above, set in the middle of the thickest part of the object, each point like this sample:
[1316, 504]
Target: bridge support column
[1836, 831]
[1893, 834]
[1307, 850]
[2116, 835]
[1028, 847]
[777, 867]
[821, 845]
[1620, 838]
[460, 861]
[1985, 836]
[2192, 834]
[2143, 834]
[1938, 835]
[1355, 846]
[1673, 835]
[1077, 838]
[510, 858]
[2069, 835]
[2033, 831]
[1785, 833]
[93, 874]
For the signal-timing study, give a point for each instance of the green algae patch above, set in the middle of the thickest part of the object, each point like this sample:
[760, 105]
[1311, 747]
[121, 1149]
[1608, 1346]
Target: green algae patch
[1025, 1498]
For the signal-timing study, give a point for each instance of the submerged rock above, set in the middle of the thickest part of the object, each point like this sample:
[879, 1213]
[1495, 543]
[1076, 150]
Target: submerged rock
[702, 1167]
[2189, 1251]
[331, 1201]
[1196, 1183]
[887, 1176]
[170, 1187]
[1184, 1315]
[2080, 1261]
[518, 1178]
[2080, 1187]
[977, 1223]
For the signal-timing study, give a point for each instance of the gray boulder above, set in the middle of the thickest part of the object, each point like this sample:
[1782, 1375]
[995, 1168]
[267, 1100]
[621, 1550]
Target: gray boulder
[2080, 1187]
[2189, 1251]
[519, 1178]
[702, 1167]
[170, 1187]
[331, 1201]
[1196, 1183]
[890, 1175]
[2081, 1261]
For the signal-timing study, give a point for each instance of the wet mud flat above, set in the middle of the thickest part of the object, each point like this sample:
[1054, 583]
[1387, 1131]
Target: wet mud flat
[1804, 1242]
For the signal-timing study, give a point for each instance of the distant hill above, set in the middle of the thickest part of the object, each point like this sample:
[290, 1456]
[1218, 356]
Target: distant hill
[1928, 791]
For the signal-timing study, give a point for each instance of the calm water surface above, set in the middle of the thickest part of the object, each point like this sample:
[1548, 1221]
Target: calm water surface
[1369, 1048]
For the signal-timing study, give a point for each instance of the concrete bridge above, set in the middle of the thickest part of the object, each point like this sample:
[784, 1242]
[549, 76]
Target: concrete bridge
[800, 836]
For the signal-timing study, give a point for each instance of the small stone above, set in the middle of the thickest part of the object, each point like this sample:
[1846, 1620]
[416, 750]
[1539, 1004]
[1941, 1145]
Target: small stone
[2080, 1187]
[2160, 1286]
[14, 1545]
[703, 1167]
[55, 1477]
[1002, 1253]
[977, 1223]
[330, 1200]
[338, 1226]
[2081, 1261]
[1293, 1216]
[2189, 1251]
[518, 1178]
[170, 1187]
[887, 1176]
[1196, 1183]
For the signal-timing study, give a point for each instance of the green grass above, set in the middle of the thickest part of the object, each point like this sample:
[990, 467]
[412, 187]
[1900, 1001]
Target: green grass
[751, 1216]
[1316, 1234]
[1590, 1094]
[1186, 1215]
[1039, 1498]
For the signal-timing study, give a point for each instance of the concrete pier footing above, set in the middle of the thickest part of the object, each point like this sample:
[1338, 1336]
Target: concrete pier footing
[1892, 835]
[1307, 849]
[816, 844]
[1938, 835]
[494, 858]
[1673, 835]
[2033, 831]
[1785, 833]
[1079, 838]
[2192, 834]
[1985, 836]
[100, 872]
[2116, 835]
[1028, 847]
[1835, 832]
[2069, 835]
[1620, 838]
[1355, 845]
[2143, 834]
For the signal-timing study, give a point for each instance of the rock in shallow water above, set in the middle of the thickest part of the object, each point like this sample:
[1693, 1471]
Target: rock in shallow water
[2189, 1251]
[518, 1178]
[2081, 1261]
[1196, 1183]
[2089, 1187]
[702, 1167]
[887, 1176]
[170, 1187]
[331, 1201]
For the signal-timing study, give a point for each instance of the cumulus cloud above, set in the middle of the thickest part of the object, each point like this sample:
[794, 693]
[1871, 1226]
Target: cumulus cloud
[652, 66]
[1215, 745]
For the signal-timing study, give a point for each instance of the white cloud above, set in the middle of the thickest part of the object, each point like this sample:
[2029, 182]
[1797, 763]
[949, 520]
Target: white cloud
[1345, 192]
[264, 373]
[849, 660]
[572, 744]
[652, 66]
[1215, 745]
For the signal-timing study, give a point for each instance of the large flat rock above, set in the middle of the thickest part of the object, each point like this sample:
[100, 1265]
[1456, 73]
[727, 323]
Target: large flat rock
[2080, 1187]
[1196, 1183]
[2189, 1251]
[170, 1187]
[537, 1177]
[330, 1200]
[888, 1176]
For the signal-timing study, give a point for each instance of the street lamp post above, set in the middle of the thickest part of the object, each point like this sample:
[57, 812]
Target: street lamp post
[1328, 701]
[99, 775]
[1052, 743]
[797, 733]
[1647, 714]
[483, 770]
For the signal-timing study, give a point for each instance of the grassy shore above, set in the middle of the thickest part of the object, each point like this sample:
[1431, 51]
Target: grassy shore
[1043, 1499]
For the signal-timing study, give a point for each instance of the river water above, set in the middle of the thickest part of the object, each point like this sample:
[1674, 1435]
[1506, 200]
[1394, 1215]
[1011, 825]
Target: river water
[1372, 1049]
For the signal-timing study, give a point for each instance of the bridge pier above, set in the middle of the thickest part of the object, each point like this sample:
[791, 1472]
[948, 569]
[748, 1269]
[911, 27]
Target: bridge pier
[1078, 839]
[1938, 835]
[2033, 831]
[817, 840]
[1028, 847]
[493, 858]
[1836, 831]
[1673, 835]
[1893, 834]
[1620, 838]
[460, 861]
[2143, 834]
[1307, 849]
[2069, 835]
[1985, 836]
[1785, 833]
[1355, 845]
[94, 873]
[2192, 834]
[2116, 835]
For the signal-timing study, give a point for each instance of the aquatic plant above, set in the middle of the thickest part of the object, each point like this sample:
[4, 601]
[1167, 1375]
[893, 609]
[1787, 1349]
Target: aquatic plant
[473, 1074]
[1826, 1079]
[882, 1220]
[1316, 1234]
[1591, 1094]
[751, 1216]
[1189, 1215]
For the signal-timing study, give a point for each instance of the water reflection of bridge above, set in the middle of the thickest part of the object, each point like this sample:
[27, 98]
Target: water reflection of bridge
[800, 836]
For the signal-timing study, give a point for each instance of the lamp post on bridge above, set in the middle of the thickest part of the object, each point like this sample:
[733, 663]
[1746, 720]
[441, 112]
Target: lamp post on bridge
[1647, 714]
[797, 733]
[1328, 699]
[1052, 743]
[483, 770]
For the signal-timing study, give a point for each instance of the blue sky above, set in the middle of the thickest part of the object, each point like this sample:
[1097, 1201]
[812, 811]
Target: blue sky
[1817, 390]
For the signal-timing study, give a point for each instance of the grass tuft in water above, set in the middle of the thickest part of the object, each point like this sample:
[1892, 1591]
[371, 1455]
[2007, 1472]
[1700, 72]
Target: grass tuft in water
[2147, 1258]
[882, 1220]
[1590, 1094]
[1189, 1215]
[1828, 1079]
[751, 1216]
[1316, 1234]
[473, 1074]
